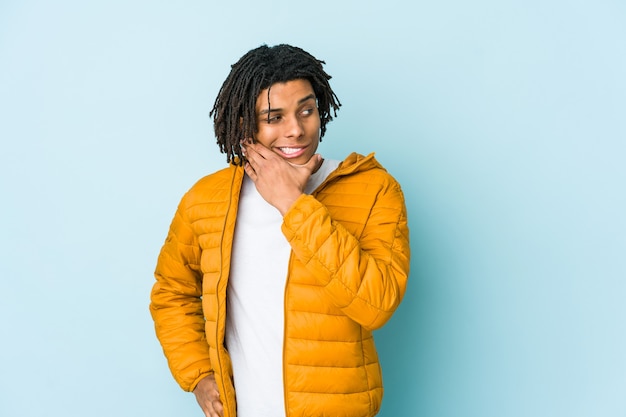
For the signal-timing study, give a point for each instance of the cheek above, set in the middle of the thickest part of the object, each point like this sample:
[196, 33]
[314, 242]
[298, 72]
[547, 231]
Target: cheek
[314, 127]
[264, 135]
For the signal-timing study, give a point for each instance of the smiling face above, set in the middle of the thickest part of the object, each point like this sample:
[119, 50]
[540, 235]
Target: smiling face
[291, 127]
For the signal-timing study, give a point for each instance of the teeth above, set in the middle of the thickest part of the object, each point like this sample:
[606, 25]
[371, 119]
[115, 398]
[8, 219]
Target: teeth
[290, 151]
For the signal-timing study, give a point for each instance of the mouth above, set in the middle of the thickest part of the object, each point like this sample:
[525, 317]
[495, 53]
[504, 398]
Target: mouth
[290, 152]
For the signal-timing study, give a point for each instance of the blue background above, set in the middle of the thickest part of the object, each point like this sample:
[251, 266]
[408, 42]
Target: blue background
[505, 122]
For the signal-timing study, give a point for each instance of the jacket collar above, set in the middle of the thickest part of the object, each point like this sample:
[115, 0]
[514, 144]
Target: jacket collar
[356, 163]
[353, 163]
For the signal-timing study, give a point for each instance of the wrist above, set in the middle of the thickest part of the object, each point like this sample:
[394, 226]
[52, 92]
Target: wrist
[286, 203]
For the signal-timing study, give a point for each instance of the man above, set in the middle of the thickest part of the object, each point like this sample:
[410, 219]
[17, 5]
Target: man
[277, 269]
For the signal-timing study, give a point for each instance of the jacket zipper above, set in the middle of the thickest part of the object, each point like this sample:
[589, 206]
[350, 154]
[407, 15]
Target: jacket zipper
[285, 335]
[218, 318]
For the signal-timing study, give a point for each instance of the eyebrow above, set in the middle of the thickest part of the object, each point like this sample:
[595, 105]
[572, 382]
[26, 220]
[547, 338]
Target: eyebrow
[302, 100]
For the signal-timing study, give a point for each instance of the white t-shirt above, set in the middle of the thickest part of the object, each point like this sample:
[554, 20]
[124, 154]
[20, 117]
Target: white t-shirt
[256, 301]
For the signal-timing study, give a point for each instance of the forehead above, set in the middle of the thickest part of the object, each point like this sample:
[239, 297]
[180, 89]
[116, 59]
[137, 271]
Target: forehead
[284, 93]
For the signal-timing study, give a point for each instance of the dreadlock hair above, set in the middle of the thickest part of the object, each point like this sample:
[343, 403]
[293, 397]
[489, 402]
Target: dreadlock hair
[234, 110]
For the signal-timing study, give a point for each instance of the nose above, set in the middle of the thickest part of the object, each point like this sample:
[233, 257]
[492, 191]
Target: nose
[294, 128]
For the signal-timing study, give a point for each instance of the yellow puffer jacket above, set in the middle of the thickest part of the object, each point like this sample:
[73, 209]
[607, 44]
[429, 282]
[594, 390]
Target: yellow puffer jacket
[347, 274]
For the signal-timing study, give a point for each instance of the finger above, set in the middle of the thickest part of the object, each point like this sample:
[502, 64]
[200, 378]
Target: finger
[219, 408]
[252, 155]
[313, 162]
[213, 409]
[261, 150]
[250, 147]
[249, 170]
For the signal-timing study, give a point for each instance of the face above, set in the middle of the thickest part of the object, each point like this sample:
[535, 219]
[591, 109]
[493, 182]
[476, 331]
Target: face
[292, 129]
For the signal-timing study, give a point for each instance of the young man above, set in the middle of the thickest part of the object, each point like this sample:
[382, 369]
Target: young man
[277, 269]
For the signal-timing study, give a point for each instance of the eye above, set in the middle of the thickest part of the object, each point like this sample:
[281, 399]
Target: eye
[308, 111]
[273, 119]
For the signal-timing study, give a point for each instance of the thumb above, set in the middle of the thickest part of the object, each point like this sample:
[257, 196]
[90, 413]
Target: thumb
[314, 162]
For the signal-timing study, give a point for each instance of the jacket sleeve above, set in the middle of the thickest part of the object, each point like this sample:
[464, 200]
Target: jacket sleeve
[176, 305]
[366, 276]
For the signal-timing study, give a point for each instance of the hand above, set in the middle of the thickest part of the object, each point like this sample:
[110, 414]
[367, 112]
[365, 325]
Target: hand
[279, 182]
[208, 397]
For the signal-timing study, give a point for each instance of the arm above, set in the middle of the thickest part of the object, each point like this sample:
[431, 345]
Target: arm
[176, 306]
[366, 276]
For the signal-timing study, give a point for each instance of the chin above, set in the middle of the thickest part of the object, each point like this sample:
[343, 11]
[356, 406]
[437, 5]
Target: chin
[300, 160]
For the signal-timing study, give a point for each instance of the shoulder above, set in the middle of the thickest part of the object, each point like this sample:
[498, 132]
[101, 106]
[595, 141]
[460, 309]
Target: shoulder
[359, 185]
[214, 188]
